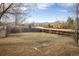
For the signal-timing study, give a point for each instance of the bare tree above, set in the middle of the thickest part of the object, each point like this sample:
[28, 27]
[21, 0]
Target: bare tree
[20, 12]
[76, 22]
[3, 11]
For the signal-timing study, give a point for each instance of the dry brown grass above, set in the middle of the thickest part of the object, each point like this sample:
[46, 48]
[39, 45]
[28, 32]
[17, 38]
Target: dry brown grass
[32, 43]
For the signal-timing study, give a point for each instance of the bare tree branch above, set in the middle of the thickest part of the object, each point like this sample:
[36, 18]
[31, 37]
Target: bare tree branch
[4, 11]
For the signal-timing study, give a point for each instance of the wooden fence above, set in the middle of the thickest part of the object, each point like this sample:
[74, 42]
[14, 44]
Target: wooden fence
[68, 32]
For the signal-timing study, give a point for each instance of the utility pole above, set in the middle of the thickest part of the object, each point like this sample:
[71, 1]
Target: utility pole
[76, 22]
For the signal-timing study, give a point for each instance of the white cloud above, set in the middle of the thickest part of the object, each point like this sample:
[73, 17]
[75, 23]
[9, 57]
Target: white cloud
[66, 4]
[24, 8]
[43, 5]
[63, 11]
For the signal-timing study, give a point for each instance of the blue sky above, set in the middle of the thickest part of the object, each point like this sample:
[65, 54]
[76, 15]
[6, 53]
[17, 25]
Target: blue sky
[50, 12]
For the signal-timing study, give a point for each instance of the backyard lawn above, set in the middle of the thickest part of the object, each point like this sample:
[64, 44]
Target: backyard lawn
[37, 43]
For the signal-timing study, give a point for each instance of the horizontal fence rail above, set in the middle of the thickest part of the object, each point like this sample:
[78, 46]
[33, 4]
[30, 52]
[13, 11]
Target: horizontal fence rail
[68, 32]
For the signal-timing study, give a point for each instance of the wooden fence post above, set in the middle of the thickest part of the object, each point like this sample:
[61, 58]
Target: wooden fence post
[76, 22]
